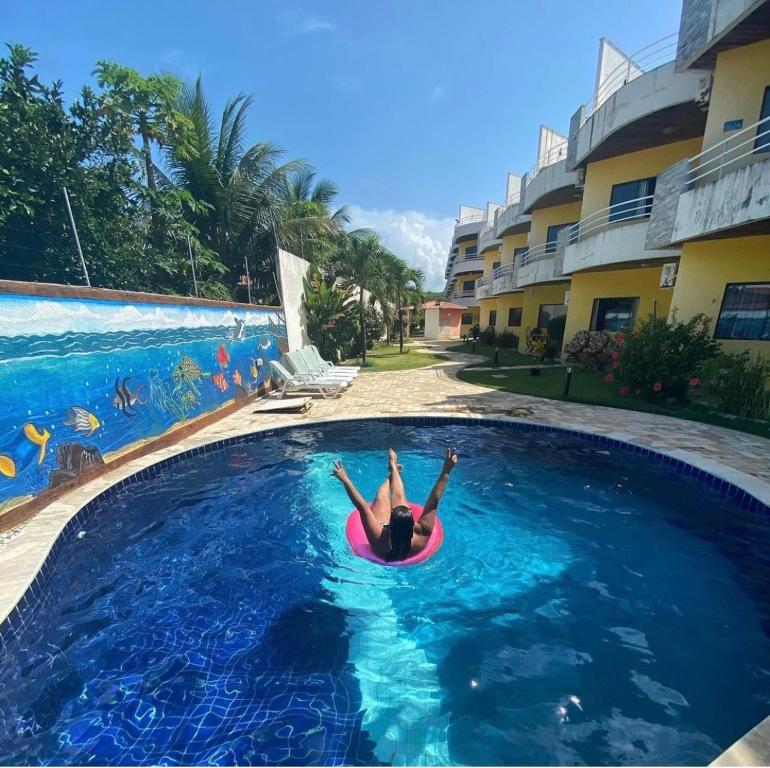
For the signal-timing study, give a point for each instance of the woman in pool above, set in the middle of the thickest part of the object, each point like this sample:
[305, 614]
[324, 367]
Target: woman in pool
[388, 524]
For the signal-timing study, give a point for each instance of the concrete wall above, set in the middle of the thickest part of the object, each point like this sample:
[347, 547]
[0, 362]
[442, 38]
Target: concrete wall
[740, 78]
[548, 180]
[291, 272]
[504, 303]
[705, 269]
[542, 218]
[613, 69]
[89, 374]
[510, 244]
[643, 283]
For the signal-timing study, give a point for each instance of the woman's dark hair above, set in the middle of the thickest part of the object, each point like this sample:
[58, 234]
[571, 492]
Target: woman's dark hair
[401, 529]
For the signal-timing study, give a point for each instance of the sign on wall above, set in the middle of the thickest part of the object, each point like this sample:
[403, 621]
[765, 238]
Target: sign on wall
[668, 275]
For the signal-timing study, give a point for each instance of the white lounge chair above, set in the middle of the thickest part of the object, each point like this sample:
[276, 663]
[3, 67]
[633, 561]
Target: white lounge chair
[313, 363]
[296, 363]
[293, 382]
[316, 355]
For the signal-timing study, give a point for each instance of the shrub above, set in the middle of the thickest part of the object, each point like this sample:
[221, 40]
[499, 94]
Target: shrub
[488, 335]
[735, 384]
[556, 329]
[662, 357]
[508, 340]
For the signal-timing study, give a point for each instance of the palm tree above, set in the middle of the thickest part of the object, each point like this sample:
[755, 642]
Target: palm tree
[307, 220]
[240, 188]
[360, 265]
[400, 284]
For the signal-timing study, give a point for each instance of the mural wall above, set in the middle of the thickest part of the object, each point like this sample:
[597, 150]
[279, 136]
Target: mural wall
[83, 380]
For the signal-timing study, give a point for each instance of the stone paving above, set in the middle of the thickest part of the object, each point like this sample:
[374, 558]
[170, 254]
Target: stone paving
[737, 457]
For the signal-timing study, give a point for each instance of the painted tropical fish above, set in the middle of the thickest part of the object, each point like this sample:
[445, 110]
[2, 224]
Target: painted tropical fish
[237, 332]
[222, 357]
[237, 379]
[220, 382]
[82, 420]
[255, 364]
[125, 400]
[29, 444]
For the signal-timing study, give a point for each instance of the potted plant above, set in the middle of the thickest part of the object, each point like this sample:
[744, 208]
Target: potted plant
[538, 347]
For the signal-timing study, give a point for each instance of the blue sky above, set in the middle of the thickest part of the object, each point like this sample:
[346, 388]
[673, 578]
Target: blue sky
[411, 107]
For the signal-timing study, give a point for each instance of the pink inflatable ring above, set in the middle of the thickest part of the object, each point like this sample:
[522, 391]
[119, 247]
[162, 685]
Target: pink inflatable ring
[358, 543]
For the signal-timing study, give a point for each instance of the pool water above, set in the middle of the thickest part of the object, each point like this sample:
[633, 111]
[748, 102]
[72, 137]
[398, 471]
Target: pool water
[587, 606]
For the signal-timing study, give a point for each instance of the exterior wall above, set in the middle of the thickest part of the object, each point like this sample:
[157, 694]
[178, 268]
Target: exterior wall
[291, 273]
[442, 323]
[705, 269]
[616, 283]
[504, 303]
[532, 298]
[601, 175]
[510, 244]
[740, 79]
[490, 257]
[542, 218]
[485, 307]
[90, 374]
[547, 180]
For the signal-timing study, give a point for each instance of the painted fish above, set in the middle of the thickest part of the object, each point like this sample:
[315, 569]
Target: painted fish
[239, 327]
[220, 382]
[29, 444]
[222, 357]
[82, 420]
[237, 378]
[255, 366]
[125, 400]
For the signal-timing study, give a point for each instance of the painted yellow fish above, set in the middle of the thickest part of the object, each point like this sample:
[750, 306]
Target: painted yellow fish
[29, 444]
[82, 420]
[237, 378]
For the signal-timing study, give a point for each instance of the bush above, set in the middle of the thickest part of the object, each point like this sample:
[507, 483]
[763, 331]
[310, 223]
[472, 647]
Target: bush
[556, 330]
[662, 358]
[735, 384]
[508, 340]
[488, 335]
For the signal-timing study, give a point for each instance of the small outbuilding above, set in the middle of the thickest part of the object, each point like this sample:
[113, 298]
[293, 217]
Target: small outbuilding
[442, 319]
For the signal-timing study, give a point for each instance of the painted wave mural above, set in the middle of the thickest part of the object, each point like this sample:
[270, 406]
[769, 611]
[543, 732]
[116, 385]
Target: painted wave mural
[85, 379]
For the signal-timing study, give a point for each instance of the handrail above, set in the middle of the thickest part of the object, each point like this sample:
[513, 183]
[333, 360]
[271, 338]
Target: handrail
[696, 173]
[551, 157]
[475, 257]
[642, 206]
[511, 200]
[484, 281]
[464, 294]
[538, 252]
[471, 219]
[644, 60]
[503, 269]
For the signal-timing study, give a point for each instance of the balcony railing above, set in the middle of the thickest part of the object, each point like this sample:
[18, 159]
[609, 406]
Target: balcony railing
[470, 219]
[628, 210]
[552, 156]
[645, 59]
[464, 294]
[538, 253]
[730, 153]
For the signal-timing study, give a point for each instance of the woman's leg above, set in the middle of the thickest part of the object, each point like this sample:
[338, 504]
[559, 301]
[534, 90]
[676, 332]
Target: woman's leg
[397, 492]
[381, 503]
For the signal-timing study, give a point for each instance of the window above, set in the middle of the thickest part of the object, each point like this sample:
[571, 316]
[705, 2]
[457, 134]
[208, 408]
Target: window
[471, 251]
[467, 318]
[614, 314]
[548, 312]
[553, 235]
[632, 198]
[762, 143]
[492, 316]
[495, 265]
[745, 312]
[514, 316]
[518, 253]
[469, 285]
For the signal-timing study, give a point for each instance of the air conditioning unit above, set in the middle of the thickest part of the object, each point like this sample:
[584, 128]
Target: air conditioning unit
[703, 92]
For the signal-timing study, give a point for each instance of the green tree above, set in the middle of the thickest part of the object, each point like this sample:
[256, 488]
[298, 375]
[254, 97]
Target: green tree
[325, 305]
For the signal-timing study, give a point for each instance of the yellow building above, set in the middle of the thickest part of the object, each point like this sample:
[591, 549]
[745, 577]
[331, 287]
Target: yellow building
[715, 204]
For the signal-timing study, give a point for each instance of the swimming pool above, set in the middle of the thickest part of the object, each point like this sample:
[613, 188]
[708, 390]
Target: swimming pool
[588, 605]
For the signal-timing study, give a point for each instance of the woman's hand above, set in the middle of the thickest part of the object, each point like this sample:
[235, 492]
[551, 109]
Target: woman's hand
[450, 461]
[339, 472]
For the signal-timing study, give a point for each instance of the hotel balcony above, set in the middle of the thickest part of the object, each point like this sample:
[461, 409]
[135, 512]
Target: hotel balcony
[504, 279]
[509, 220]
[466, 264]
[540, 264]
[639, 103]
[483, 288]
[487, 238]
[463, 298]
[549, 184]
[612, 236]
[469, 226]
[722, 192]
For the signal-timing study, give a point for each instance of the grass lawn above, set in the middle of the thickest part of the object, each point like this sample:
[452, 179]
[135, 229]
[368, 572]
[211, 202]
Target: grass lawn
[388, 358]
[506, 356]
[588, 387]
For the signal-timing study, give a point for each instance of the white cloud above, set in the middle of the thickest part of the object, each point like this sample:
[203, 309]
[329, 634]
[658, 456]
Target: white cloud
[307, 24]
[414, 236]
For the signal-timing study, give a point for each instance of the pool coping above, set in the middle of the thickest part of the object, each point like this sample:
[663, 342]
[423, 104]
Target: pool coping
[56, 523]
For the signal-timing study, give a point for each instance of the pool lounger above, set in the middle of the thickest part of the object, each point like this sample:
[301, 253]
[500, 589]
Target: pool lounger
[289, 405]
